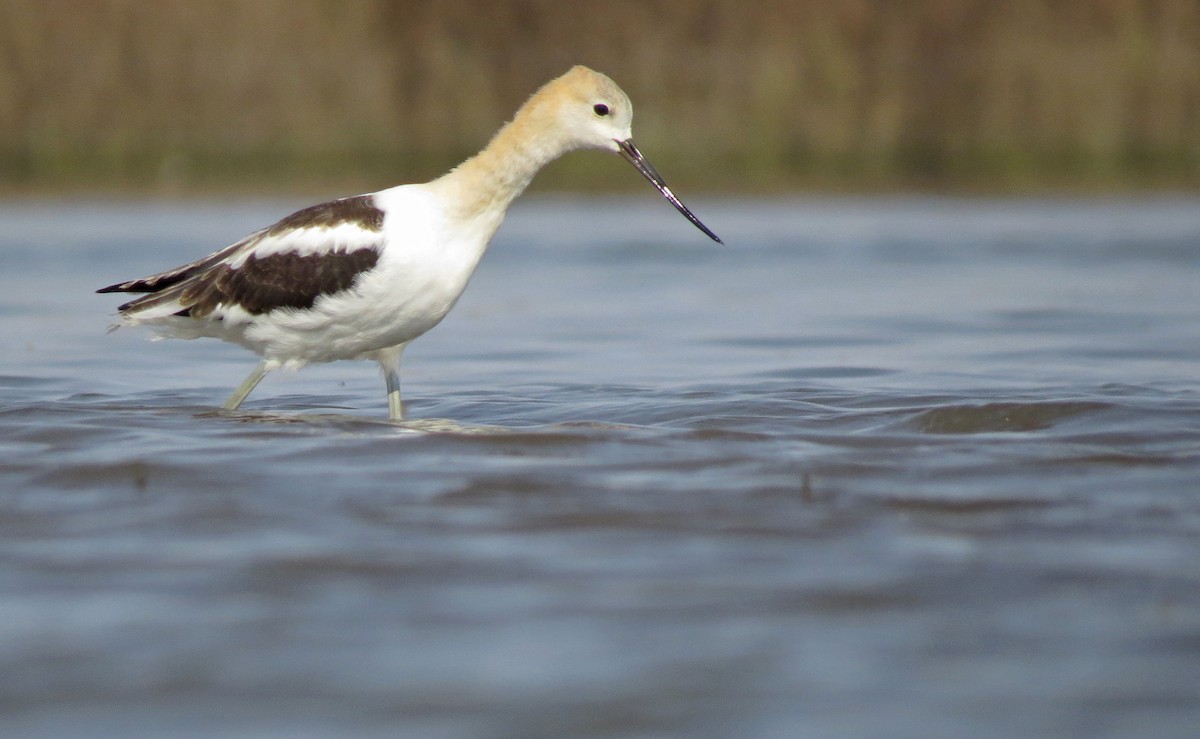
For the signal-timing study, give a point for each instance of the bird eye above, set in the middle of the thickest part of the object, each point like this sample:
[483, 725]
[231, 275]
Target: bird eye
[600, 109]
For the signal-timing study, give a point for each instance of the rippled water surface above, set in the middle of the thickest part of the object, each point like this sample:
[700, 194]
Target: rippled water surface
[879, 467]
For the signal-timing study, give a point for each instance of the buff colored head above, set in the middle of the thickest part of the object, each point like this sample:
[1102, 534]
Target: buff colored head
[591, 112]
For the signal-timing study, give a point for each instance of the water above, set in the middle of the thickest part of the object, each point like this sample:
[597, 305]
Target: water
[880, 467]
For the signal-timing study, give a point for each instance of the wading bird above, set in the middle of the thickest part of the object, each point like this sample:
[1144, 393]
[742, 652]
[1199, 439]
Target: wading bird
[361, 277]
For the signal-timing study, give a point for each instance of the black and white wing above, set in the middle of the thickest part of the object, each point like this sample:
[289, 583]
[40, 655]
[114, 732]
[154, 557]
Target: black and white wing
[320, 250]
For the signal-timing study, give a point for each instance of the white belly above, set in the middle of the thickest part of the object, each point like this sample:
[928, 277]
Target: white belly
[390, 307]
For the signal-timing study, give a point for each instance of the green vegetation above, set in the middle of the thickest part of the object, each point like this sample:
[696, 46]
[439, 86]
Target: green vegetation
[174, 95]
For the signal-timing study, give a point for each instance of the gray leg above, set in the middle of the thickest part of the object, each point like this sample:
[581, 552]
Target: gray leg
[389, 360]
[247, 385]
[395, 410]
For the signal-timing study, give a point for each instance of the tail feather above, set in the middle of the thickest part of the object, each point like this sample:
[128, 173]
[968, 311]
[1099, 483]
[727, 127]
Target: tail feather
[167, 301]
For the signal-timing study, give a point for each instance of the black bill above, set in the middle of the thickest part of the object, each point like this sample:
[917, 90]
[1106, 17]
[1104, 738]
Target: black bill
[634, 157]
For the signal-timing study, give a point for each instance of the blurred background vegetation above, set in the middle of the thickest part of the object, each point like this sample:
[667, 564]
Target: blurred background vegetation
[178, 96]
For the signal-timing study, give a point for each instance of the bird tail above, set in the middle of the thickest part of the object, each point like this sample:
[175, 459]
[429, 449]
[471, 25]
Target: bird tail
[164, 291]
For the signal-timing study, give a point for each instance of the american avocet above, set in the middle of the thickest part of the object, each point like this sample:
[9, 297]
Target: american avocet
[361, 277]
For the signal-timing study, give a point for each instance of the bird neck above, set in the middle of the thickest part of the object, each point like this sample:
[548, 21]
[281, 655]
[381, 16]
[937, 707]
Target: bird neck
[488, 182]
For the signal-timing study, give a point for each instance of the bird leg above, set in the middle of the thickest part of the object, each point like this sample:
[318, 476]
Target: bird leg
[395, 410]
[389, 360]
[239, 395]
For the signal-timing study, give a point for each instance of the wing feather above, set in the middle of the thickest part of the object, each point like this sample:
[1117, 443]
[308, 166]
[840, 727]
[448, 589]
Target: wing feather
[320, 250]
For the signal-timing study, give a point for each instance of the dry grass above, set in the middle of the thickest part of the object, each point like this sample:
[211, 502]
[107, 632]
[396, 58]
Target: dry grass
[731, 95]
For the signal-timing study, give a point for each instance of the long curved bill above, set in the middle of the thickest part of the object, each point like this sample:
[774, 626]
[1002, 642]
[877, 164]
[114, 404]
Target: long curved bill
[634, 157]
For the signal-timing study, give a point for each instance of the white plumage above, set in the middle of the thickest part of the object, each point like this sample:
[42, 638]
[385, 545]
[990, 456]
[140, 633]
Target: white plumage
[361, 277]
